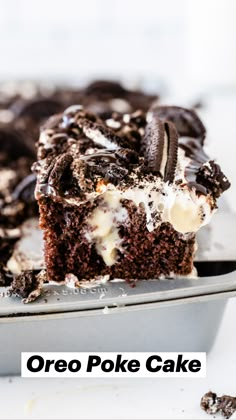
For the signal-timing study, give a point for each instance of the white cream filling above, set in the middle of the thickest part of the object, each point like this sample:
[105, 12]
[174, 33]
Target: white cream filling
[164, 155]
[113, 123]
[28, 250]
[104, 223]
[186, 212]
[99, 138]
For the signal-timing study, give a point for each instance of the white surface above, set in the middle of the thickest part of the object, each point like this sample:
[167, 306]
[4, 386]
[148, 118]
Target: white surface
[128, 398]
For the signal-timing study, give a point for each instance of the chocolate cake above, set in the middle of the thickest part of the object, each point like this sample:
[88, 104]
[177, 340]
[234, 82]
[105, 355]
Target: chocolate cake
[212, 404]
[23, 108]
[122, 195]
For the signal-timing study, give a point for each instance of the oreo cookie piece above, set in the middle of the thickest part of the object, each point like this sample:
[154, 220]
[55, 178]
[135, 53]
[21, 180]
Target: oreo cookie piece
[127, 156]
[161, 148]
[13, 143]
[212, 178]
[37, 109]
[24, 191]
[172, 151]
[186, 121]
[5, 276]
[212, 404]
[153, 144]
[100, 134]
[105, 89]
[28, 285]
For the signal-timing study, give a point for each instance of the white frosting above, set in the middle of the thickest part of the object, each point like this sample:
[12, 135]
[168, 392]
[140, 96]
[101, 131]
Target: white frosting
[126, 118]
[182, 162]
[28, 251]
[99, 138]
[113, 123]
[45, 138]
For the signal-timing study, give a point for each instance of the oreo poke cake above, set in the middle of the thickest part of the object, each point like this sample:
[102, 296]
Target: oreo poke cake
[122, 192]
[120, 184]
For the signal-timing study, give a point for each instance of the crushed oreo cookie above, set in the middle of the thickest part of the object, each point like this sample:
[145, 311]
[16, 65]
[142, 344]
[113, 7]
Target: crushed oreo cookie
[37, 109]
[28, 285]
[212, 404]
[25, 189]
[6, 276]
[13, 144]
[212, 178]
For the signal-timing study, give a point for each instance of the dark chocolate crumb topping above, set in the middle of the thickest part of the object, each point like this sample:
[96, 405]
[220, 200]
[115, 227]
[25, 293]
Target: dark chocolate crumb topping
[24, 283]
[212, 178]
[58, 170]
[113, 148]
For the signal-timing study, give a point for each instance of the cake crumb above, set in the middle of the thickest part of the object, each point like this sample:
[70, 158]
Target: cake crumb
[212, 404]
[106, 310]
[28, 285]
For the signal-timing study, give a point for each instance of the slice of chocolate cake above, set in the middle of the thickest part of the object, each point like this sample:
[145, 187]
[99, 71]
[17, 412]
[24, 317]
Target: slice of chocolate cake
[123, 197]
[23, 107]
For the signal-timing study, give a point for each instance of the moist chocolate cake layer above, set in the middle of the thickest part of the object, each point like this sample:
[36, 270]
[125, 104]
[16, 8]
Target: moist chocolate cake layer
[144, 255]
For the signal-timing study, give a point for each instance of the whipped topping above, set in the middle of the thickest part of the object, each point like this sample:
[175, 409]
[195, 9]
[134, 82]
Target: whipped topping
[103, 226]
[185, 210]
[28, 250]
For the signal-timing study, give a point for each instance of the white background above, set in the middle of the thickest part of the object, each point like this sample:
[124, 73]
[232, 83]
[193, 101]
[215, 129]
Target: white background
[182, 43]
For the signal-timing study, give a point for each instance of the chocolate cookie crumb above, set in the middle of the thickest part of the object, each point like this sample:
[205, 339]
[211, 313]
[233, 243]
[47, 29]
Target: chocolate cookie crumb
[5, 276]
[212, 404]
[28, 285]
